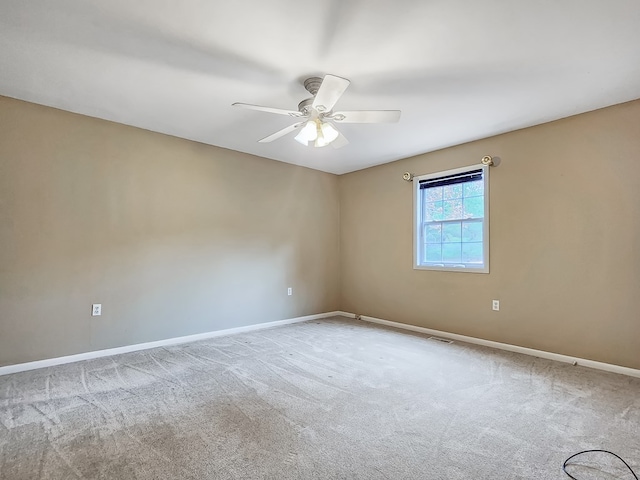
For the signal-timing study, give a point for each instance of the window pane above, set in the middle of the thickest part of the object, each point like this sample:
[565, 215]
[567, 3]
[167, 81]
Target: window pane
[471, 231]
[472, 252]
[474, 207]
[433, 252]
[433, 194]
[433, 211]
[451, 232]
[451, 192]
[473, 189]
[433, 233]
[451, 252]
[452, 209]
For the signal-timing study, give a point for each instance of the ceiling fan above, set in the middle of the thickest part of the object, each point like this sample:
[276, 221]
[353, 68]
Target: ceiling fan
[317, 116]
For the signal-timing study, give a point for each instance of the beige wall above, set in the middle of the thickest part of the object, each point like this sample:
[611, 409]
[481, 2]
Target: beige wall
[172, 237]
[175, 238]
[565, 241]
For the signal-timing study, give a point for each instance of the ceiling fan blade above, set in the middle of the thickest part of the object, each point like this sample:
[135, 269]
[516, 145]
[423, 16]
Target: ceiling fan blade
[281, 133]
[279, 111]
[340, 141]
[367, 116]
[330, 91]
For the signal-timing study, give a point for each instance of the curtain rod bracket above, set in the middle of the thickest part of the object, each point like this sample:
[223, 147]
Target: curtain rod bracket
[488, 160]
[408, 176]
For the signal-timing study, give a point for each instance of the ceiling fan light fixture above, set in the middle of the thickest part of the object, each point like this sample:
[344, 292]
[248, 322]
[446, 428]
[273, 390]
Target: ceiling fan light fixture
[323, 140]
[317, 133]
[329, 132]
[308, 133]
[320, 142]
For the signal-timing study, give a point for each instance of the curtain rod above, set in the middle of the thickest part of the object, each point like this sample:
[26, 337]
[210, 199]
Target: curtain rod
[487, 160]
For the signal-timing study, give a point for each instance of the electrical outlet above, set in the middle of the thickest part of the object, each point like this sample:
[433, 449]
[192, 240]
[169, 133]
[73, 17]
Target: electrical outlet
[289, 291]
[495, 305]
[96, 310]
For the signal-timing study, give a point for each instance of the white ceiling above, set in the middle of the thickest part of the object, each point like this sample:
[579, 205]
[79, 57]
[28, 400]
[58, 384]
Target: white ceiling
[458, 70]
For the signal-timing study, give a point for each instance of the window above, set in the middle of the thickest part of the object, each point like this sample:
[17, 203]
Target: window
[452, 220]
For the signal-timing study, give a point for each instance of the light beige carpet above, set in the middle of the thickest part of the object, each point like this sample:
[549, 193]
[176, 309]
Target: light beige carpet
[328, 399]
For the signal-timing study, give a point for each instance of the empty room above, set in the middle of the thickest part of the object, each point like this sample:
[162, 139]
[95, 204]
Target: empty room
[319, 240]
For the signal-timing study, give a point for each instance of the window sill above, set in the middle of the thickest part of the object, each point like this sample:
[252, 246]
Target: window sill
[452, 269]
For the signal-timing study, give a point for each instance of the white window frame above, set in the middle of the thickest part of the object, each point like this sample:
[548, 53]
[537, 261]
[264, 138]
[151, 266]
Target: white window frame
[417, 216]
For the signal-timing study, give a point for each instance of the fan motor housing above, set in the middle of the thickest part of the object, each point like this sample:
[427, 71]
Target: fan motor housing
[305, 106]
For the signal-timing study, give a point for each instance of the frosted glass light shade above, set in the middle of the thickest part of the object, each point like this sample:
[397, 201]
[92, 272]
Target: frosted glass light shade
[320, 142]
[308, 133]
[329, 132]
[317, 133]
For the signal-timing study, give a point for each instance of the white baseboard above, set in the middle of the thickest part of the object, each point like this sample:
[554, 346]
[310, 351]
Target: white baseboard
[50, 362]
[505, 346]
[22, 367]
[345, 314]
